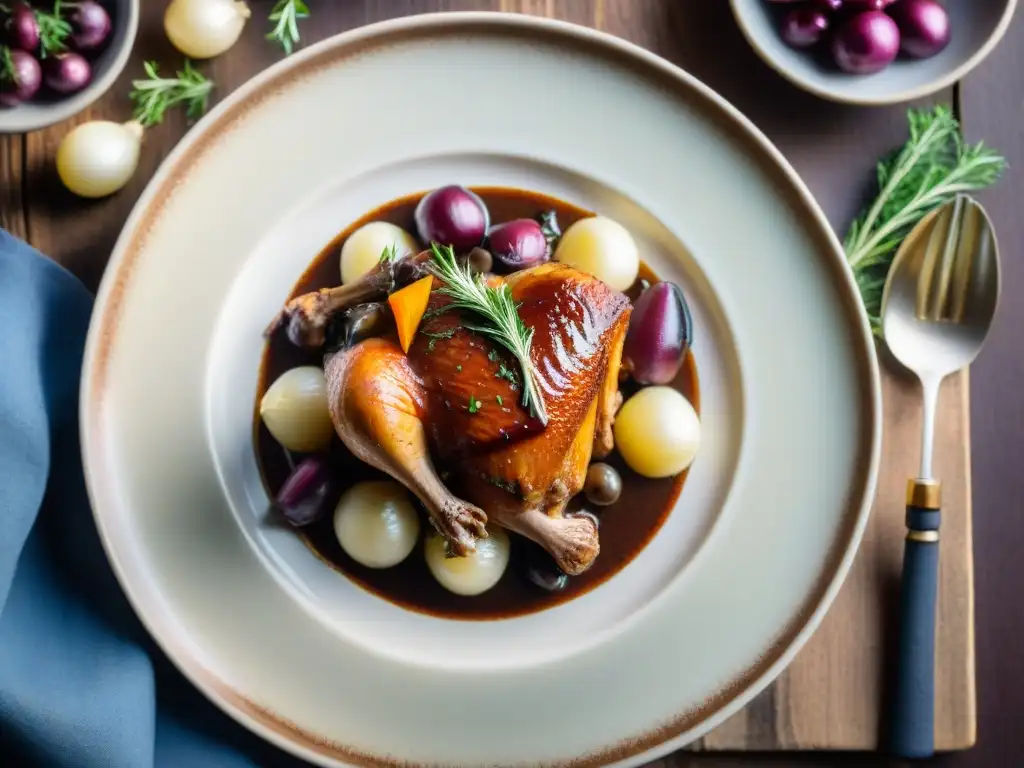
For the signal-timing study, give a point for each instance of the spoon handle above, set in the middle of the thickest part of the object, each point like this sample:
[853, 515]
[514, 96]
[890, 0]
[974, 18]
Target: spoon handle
[913, 716]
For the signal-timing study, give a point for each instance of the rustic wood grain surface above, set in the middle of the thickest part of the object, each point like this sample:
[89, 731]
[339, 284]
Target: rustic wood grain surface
[833, 695]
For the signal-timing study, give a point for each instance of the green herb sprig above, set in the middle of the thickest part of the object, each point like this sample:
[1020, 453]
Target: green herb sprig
[499, 316]
[285, 16]
[154, 95]
[53, 31]
[929, 170]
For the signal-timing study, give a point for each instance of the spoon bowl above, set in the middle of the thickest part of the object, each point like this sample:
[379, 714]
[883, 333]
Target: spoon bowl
[942, 290]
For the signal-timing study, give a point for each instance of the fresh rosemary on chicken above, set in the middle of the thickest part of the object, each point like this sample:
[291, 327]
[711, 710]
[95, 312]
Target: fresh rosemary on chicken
[285, 15]
[154, 95]
[499, 316]
[930, 169]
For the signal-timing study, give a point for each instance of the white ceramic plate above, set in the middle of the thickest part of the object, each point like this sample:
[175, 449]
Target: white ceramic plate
[709, 612]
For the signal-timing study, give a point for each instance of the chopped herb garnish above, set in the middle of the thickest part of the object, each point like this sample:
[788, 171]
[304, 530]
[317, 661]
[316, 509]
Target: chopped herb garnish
[389, 254]
[474, 404]
[549, 228]
[508, 487]
[435, 337]
[499, 399]
[493, 355]
[458, 369]
[499, 316]
[509, 375]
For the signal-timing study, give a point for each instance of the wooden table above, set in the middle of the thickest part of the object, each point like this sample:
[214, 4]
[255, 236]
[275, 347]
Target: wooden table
[832, 146]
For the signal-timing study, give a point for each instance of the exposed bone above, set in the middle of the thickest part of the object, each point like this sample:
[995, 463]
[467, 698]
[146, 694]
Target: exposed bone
[374, 400]
[571, 541]
[306, 317]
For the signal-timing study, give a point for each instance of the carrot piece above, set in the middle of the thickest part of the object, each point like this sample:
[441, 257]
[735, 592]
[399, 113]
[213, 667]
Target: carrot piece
[408, 306]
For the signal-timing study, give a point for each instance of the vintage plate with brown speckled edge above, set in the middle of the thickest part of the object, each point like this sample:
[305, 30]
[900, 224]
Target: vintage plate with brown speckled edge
[705, 617]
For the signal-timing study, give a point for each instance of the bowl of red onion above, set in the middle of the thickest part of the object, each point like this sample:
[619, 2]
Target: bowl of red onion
[873, 51]
[59, 56]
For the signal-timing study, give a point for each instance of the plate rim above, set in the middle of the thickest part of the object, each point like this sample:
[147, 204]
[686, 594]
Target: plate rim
[117, 278]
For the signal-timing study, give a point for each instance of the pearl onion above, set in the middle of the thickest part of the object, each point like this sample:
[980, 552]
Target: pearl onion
[472, 574]
[99, 157]
[295, 410]
[603, 248]
[363, 248]
[202, 29]
[376, 523]
[657, 432]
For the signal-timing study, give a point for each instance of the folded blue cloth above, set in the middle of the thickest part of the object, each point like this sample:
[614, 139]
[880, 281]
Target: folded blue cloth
[81, 683]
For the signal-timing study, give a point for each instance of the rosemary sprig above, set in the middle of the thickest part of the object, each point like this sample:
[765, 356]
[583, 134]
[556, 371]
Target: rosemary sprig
[53, 30]
[285, 15]
[929, 170]
[154, 95]
[499, 317]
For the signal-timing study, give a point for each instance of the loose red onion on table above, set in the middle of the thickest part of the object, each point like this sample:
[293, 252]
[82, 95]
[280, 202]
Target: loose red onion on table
[517, 244]
[24, 81]
[804, 27]
[924, 27]
[67, 72]
[308, 491]
[22, 28]
[90, 24]
[660, 333]
[452, 216]
[866, 43]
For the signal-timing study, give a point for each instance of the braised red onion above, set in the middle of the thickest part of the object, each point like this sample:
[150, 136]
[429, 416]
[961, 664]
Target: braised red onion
[23, 81]
[67, 72]
[924, 27]
[660, 333]
[307, 493]
[452, 216]
[517, 244]
[866, 42]
[803, 27]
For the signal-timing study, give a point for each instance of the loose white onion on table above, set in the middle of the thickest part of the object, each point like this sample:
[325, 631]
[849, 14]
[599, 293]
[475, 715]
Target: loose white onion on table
[295, 410]
[657, 432]
[603, 248]
[472, 574]
[98, 158]
[202, 29]
[363, 248]
[376, 523]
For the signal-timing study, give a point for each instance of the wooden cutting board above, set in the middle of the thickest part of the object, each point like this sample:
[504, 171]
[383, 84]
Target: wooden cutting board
[833, 695]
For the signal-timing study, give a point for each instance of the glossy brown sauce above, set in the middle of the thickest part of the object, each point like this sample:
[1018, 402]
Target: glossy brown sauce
[625, 527]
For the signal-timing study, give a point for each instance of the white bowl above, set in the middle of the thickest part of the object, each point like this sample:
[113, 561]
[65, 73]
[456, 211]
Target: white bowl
[977, 26]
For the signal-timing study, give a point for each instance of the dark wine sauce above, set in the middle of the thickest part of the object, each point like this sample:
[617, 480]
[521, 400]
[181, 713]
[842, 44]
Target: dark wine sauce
[625, 527]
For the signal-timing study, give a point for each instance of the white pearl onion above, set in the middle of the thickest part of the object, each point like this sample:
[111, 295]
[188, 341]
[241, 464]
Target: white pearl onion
[99, 157]
[376, 523]
[295, 410]
[603, 248]
[472, 574]
[363, 248]
[202, 29]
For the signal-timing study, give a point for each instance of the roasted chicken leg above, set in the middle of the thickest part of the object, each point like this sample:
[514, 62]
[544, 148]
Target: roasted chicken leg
[455, 402]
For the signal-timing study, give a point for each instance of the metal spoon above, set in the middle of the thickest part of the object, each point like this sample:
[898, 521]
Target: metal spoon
[937, 307]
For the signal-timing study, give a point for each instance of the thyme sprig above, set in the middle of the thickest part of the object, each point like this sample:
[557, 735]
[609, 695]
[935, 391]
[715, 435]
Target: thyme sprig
[929, 170]
[498, 314]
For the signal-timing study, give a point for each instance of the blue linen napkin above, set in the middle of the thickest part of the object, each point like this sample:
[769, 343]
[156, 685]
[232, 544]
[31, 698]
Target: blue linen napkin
[81, 683]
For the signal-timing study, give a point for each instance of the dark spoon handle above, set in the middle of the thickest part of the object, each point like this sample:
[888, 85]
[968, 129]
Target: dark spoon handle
[913, 714]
